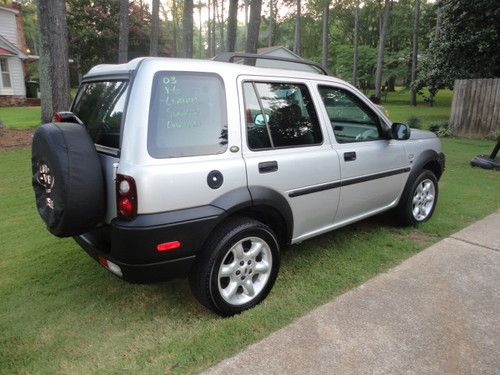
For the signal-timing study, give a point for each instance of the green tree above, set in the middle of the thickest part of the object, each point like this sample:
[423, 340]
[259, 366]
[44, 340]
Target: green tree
[468, 43]
[93, 34]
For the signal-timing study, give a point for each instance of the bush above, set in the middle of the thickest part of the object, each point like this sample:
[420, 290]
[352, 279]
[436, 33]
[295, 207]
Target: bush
[444, 132]
[436, 126]
[414, 122]
[494, 136]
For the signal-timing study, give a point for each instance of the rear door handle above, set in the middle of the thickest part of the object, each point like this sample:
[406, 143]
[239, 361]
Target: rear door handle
[349, 156]
[268, 166]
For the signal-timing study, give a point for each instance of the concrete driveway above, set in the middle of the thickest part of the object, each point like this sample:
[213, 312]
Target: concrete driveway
[436, 313]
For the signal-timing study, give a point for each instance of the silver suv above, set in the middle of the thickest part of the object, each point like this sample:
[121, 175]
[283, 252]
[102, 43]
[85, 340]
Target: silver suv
[169, 167]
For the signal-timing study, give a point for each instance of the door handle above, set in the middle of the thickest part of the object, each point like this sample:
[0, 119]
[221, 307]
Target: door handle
[268, 166]
[349, 156]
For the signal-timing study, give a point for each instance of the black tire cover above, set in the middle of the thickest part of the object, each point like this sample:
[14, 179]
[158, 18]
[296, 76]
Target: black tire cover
[67, 179]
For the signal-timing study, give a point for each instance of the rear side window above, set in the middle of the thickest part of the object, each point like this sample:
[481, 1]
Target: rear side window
[100, 106]
[280, 115]
[187, 115]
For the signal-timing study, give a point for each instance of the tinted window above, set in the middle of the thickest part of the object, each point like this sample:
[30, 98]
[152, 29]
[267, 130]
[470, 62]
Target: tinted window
[286, 112]
[257, 131]
[100, 106]
[187, 115]
[351, 119]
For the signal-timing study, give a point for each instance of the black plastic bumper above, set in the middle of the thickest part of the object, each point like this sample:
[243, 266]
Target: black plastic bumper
[131, 245]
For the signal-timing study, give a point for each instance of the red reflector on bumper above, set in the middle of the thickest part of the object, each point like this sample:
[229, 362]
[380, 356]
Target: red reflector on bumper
[103, 261]
[168, 246]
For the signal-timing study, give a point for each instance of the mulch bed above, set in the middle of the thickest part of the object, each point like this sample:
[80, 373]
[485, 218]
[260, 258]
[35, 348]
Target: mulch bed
[12, 138]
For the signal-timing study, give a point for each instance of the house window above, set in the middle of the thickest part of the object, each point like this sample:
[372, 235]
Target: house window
[4, 70]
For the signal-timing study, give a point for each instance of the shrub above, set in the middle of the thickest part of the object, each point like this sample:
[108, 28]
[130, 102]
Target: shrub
[437, 125]
[444, 132]
[494, 136]
[414, 122]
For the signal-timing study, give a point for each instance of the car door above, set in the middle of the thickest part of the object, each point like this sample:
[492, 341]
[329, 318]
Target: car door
[287, 151]
[373, 168]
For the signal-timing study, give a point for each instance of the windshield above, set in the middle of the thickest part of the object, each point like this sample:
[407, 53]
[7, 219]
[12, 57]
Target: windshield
[100, 106]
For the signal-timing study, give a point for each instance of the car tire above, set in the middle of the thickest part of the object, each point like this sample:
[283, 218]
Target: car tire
[67, 179]
[237, 267]
[419, 199]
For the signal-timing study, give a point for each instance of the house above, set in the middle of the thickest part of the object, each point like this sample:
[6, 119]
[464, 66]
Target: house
[279, 51]
[13, 53]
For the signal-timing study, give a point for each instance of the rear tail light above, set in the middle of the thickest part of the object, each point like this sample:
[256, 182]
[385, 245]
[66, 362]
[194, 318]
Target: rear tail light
[57, 117]
[126, 197]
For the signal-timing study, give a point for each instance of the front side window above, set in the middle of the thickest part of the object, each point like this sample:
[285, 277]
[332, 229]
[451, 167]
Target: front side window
[100, 105]
[4, 70]
[280, 115]
[187, 115]
[351, 119]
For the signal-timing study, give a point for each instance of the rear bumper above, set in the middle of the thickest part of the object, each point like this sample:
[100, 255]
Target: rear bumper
[141, 273]
[131, 245]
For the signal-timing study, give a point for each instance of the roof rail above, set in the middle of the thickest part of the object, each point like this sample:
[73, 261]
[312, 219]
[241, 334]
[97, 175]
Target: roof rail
[230, 56]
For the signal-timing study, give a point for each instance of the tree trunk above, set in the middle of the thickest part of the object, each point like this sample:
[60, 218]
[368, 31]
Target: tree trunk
[246, 17]
[187, 29]
[123, 33]
[271, 24]
[200, 34]
[356, 45]
[214, 44]
[438, 20]
[326, 23]
[221, 27]
[53, 63]
[155, 28]
[381, 46]
[175, 26]
[232, 24]
[209, 31]
[380, 11]
[391, 84]
[298, 31]
[253, 29]
[414, 54]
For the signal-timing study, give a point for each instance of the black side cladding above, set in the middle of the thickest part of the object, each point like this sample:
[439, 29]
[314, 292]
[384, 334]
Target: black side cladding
[67, 179]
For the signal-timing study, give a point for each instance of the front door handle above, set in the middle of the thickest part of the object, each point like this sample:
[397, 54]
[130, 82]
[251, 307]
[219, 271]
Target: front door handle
[349, 156]
[268, 166]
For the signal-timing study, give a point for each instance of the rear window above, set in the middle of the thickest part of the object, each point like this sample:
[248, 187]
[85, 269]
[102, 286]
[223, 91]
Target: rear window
[100, 106]
[187, 115]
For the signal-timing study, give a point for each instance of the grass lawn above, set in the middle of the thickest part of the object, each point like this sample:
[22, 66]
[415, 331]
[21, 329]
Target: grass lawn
[20, 117]
[23, 117]
[61, 312]
[399, 110]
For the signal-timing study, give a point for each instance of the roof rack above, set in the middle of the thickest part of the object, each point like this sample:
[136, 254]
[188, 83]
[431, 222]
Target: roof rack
[230, 56]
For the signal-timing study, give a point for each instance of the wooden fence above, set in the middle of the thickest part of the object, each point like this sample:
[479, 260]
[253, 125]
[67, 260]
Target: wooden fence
[475, 111]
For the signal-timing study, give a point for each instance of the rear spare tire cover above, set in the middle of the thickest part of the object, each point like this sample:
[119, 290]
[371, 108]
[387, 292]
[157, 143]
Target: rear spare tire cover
[67, 179]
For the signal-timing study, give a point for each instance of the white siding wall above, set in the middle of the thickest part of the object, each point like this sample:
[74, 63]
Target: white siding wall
[9, 31]
[8, 26]
[16, 78]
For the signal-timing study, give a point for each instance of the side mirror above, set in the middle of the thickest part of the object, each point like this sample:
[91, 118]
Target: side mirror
[260, 120]
[400, 131]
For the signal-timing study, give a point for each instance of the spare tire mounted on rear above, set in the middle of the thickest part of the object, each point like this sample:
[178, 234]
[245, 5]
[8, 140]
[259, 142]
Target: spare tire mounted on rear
[67, 179]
